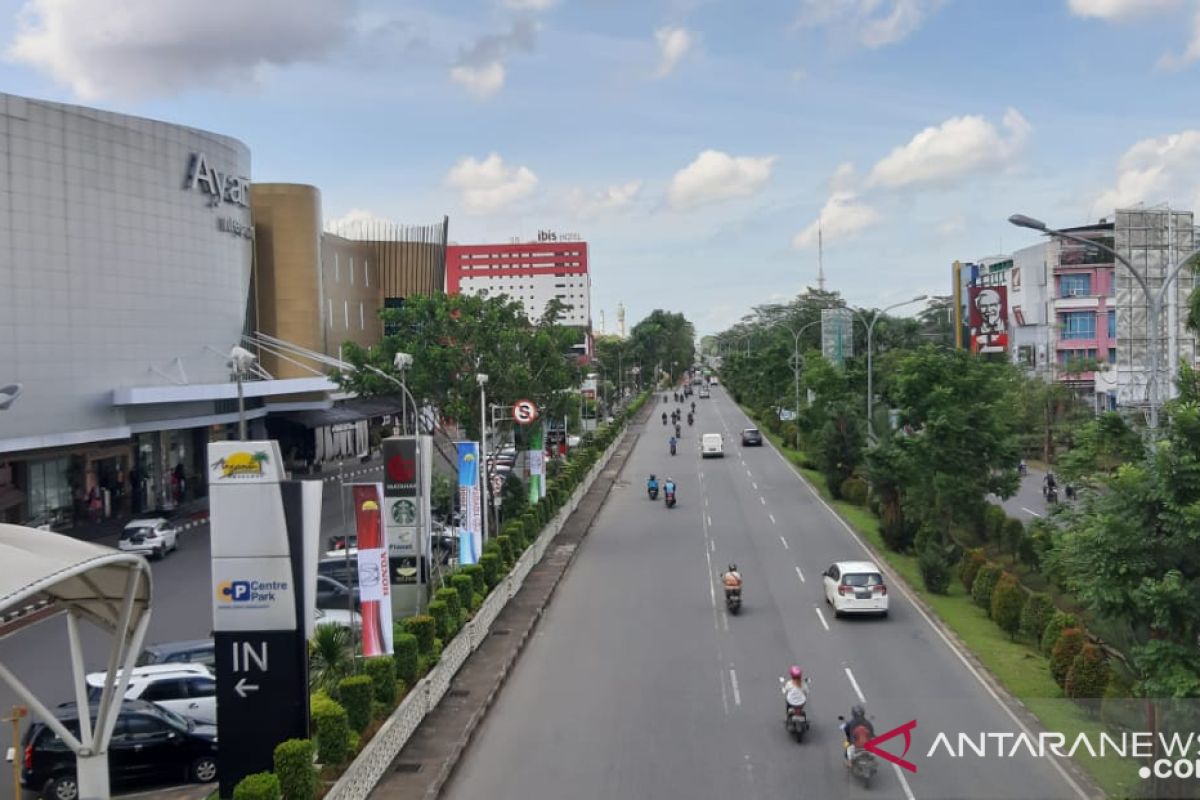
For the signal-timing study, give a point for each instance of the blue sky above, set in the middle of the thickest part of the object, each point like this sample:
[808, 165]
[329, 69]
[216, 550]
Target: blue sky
[691, 142]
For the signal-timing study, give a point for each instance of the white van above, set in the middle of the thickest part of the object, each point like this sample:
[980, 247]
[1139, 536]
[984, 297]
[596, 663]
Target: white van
[711, 444]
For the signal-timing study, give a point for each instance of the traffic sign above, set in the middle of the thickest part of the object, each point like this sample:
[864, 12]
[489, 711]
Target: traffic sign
[524, 412]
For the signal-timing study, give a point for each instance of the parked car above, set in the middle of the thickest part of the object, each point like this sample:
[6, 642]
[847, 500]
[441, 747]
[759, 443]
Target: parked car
[189, 690]
[154, 536]
[193, 651]
[334, 594]
[855, 587]
[340, 617]
[149, 744]
[751, 437]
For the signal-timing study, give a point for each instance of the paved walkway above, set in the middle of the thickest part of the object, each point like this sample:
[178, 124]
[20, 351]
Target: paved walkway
[426, 763]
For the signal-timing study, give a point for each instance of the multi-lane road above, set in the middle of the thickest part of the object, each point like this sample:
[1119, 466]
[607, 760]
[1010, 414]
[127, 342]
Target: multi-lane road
[638, 685]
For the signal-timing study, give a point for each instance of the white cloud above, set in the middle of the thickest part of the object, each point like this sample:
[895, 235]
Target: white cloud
[489, 186]
[1166, 168]
[530, 5]
[1190, 54]
[482, 81]
[716, 176]
[842, 217]
[673, 45]
[614, 198]
[480, 67]
[154, 47]
[873, 23]
[843, 178]
[958, 147]
[1118, 9]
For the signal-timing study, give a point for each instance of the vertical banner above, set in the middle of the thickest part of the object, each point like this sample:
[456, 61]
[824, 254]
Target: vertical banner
[374, 586]
[537, 462]
[470, 530]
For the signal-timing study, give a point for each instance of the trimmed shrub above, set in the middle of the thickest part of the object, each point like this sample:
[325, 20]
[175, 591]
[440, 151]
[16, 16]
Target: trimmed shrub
[972, 560]
[1059, 621]
[475, 571]
[259, 786]
[1008, 601]
[406, 652]
[983, 586]
[382, 671]
[424, 627]
[897, 531]
[935, 567]
[1070, 643]
[452, 600]
[465, 588]
[356, 692]
[1088, 676]
[1013, 536]
[332, 727]
[491, 569]
[294, 768]
[854, 490]
[993, 522]
[532, 527]
[507, 555]
[1039, 608]
[441, 616]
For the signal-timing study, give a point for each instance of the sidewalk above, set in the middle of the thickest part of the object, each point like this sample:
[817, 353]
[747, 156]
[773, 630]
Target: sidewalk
[426, 763]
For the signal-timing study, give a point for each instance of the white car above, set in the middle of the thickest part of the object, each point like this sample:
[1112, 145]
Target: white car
[154, 535]
[340, 617]
[856, 587]
[190, 690]
[712, 381]
[712, 445]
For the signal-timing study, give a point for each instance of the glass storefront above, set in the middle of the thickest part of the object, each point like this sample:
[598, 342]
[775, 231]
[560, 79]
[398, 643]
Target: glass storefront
[49, 491]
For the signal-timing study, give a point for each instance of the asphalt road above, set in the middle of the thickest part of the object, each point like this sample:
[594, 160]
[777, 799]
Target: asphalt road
[638, 685]
[181, 609]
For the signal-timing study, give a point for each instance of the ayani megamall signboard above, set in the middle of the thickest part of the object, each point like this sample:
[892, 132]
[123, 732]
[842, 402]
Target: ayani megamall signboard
[265, 538]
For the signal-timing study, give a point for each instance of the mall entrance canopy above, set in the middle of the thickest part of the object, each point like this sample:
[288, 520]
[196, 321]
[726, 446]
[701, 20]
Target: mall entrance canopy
[44, 574]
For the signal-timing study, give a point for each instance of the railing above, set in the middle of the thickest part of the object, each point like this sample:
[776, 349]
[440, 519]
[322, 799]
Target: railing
[360, 778]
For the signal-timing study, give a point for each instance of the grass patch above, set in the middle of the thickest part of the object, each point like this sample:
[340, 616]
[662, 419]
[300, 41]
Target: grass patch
[1023, 671]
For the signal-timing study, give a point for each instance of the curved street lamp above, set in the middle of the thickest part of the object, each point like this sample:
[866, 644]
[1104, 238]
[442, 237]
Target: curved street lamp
[870, 326]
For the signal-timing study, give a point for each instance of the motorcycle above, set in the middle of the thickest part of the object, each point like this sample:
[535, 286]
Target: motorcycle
[690, 420]
[733, 600]
[672, 448]
[678, 430]
[652, 491]
[862, 765]
[669, 499]
[1051, 494]
[664, 419]
[796, 720]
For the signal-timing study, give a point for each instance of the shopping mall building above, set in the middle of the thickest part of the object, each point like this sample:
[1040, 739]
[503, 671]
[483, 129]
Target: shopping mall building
[134, 255]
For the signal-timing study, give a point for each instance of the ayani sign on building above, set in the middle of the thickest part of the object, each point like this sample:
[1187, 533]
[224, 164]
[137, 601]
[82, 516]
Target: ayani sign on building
[217, 186]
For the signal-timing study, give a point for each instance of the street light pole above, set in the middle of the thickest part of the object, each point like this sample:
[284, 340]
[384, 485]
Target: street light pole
[870, 326]
[240, 360]
[795, 359]
[482, 380]
[1154, 300]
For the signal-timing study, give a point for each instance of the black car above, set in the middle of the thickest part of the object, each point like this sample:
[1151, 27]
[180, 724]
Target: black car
[751, 438]
[333, 593]
[149, 745]
[193, 651]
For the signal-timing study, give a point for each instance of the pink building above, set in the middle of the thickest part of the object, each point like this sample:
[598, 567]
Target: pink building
[1084, 308]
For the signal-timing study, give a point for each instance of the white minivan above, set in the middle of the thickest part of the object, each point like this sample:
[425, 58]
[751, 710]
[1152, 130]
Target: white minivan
[711, 444]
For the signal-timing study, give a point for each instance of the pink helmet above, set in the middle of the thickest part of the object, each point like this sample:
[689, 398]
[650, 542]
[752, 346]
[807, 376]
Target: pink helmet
[795, 673]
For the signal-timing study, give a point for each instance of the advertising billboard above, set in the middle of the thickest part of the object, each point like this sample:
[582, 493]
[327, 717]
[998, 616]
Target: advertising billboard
[989, 319]
[470, 531]
[374, 585]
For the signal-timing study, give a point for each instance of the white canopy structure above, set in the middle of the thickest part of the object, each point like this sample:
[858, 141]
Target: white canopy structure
[43, 574]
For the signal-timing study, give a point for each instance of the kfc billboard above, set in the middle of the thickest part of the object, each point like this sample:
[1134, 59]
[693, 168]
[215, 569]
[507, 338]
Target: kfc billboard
[989, 319]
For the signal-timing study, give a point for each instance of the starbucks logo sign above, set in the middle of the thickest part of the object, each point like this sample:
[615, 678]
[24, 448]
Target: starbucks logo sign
[404, 512]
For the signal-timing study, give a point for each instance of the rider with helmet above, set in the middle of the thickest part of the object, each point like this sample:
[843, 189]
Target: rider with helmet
[796, 688]
[858, 730]
[732, 580]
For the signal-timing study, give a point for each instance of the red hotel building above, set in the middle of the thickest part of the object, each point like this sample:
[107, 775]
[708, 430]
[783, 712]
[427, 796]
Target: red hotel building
[531, 272]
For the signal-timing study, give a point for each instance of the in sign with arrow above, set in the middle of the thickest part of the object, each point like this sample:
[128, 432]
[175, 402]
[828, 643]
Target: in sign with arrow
[241, 687]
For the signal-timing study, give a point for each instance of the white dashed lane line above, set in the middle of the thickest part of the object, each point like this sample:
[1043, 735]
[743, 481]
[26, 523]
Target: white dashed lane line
[821, 617]
[737, 695]
[785, 544]
[854, 683]
[772, 516]
[762, 499]
[800, 575]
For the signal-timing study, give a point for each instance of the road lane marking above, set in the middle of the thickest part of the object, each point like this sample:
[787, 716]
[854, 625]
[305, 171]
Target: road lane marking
[725, 621]
[801, 574]
[785, 544]
[709, 518]
[1030, 511]
[821, 617]
[892, 574]
[706, 501]
[724, 696]
[737, 696]
[712, 544]
[762, 500]
[772, 516]
[854, 683]
[908, 793]
[748, 473]
[755, 485]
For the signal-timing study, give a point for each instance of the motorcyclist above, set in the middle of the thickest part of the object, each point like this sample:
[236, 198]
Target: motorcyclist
[858, 730]
[664, 418]
[693, 406]
[678, 430]
[732, 579]
[652, 484]
[796, 688]
[668, 488]
[690, 420]
[672, 441]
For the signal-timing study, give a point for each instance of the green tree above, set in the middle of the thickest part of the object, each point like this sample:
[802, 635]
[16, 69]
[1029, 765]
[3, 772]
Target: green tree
[838, 444]
[1101, 446]
[664, 339]
[1008, 601]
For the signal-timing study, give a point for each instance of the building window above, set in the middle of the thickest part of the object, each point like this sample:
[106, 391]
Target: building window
[1075, 285]
[49, 490]
[1112, 324]
[1079, 325]
[1112, 355]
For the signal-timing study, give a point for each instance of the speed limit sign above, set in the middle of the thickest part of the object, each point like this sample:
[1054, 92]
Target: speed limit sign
[524, 412]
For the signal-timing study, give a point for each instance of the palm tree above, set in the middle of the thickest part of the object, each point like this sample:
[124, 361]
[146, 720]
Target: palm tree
[330, 657]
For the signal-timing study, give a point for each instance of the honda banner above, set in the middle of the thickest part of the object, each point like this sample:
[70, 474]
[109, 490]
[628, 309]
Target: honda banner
[470, 531]
[374, 586]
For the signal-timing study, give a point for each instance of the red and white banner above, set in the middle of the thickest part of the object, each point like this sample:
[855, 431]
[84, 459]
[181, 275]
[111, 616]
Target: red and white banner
[374, 584]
